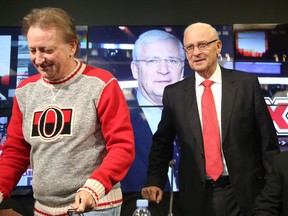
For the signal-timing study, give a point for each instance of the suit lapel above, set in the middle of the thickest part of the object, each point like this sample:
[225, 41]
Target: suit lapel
[228, 97]
[193, 119]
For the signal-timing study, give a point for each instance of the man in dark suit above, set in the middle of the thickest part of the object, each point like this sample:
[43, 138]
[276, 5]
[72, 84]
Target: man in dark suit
[247, 134]
[273, 199]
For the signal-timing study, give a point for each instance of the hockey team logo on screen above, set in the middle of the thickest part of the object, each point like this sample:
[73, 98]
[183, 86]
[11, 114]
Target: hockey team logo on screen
[52, 122]
[278, 109]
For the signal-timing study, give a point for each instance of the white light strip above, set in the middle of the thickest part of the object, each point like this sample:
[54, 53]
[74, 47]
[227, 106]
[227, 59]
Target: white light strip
[128, 84]
[117, 46]
[273, 80]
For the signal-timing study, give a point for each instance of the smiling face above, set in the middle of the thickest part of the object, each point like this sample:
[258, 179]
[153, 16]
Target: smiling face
[153, 79]
[202, 61]
[50, 54]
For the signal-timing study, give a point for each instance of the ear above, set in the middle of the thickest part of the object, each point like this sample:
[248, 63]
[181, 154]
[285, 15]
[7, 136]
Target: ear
[182, 73]
[219, 47]
[134, 68]
[73, 47]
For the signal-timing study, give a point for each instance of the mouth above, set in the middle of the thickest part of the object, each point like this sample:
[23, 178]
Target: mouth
[198, 60]
[43, 66]
[163, 81]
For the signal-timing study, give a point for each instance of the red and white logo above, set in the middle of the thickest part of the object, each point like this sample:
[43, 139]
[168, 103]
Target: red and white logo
[278, 108]
[52, 122]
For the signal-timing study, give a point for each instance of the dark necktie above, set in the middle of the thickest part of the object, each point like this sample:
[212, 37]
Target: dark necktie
[211, 135]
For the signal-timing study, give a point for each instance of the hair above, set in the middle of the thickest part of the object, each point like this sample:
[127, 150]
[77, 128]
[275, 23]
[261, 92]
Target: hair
[52, 17]
[154, 35]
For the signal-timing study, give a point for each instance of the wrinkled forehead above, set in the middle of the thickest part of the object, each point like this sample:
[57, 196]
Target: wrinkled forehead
[197, 33]
[48, 32]
[160, 47]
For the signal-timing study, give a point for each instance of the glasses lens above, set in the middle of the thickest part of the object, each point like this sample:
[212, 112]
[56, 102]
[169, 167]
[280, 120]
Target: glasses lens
[202, 45]
[153, 62]
[172, 62]
[189, 49]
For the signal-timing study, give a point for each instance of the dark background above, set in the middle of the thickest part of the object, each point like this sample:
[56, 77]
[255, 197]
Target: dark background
[149, 12]
[153, 12]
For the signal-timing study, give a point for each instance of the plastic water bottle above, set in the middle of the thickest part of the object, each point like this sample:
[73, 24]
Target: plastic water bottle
[142, 208]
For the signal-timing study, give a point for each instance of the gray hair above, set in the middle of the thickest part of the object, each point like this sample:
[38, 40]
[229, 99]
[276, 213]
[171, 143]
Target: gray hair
[154, 35]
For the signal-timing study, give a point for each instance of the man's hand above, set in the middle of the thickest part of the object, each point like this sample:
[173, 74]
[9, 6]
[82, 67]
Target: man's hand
[152, 194]
[83, 202]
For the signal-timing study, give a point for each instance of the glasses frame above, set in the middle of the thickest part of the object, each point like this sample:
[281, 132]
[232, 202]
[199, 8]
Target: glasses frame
[201, 46]
[159, 60]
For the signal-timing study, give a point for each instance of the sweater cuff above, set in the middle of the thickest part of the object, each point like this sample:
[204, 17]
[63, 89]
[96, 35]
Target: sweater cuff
[95, 188]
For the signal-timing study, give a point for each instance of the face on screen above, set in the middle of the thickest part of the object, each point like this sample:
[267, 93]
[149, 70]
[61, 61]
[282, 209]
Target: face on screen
[158, 65]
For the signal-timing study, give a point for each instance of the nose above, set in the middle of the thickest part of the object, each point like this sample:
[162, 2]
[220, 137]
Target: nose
[164, 67]
[39, 58]
[196, 51]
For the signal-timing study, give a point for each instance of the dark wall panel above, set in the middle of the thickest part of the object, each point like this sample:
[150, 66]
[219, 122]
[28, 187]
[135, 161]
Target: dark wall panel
[153, 12]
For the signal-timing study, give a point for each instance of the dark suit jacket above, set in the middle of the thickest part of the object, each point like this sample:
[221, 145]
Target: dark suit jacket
[135, 179]
[273, 199]
[249, 140]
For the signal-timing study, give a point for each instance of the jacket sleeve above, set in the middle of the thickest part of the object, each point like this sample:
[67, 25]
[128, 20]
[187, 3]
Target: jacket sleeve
[114, 117]
[162, 148]
[269, 202]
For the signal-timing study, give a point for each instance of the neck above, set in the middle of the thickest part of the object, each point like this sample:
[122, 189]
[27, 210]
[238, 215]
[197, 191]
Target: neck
[70, 68]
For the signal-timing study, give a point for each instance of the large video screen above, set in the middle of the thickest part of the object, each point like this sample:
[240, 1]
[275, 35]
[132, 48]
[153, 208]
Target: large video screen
[262, 49]
[110, 47]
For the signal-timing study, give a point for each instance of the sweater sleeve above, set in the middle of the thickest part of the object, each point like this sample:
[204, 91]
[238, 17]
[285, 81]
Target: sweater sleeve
[117, 130]
[15, 157]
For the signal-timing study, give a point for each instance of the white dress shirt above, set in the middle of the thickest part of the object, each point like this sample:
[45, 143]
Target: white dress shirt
[216, 89]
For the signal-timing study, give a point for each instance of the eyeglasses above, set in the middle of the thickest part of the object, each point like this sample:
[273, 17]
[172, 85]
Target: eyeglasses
[155, 62]
[201, 46]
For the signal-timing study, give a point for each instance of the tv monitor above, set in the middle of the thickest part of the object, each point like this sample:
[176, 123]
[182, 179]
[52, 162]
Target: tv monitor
[275, 93]
[261, 49]
[8, 61]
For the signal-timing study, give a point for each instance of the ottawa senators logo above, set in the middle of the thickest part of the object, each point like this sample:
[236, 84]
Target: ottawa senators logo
[52, 122]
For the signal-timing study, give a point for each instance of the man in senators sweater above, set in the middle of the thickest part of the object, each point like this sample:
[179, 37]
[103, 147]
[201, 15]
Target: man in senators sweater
[70, 121]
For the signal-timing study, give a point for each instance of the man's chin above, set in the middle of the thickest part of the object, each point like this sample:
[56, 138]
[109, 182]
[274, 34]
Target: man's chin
[47, 76]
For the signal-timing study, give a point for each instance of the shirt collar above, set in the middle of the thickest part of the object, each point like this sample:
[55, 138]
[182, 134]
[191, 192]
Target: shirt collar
[216, 76]
[142, 100]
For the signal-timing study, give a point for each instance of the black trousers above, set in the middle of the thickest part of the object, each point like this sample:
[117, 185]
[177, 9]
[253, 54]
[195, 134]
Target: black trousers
[220, 199]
